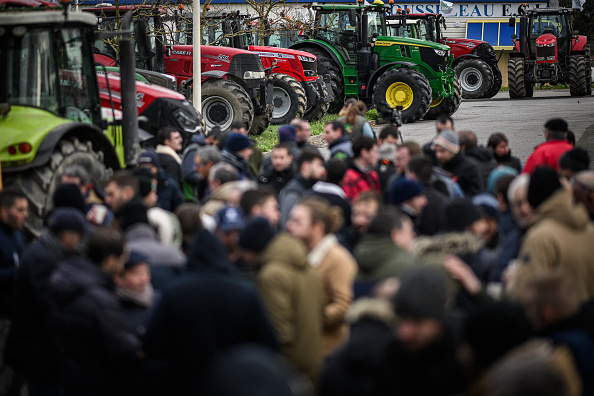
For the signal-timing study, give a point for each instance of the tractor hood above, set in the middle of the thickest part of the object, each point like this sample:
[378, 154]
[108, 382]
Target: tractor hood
[467, 43]
[546, 40]
[283, 53]
[16, 131]
[387, 41]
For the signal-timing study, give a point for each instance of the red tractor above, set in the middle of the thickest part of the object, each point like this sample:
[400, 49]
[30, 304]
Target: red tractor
[548, 51]
[298, 91]
[475, 61]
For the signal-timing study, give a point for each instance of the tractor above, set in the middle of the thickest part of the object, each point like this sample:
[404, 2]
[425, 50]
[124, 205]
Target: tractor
[298, 91]
[50, 108]
[548, 51]
[234, 83]
[359, 59]
[475, 61]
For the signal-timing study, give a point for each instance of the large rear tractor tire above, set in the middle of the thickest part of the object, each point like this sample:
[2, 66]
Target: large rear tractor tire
[289, 99]
[515, 78]
[446, 106]
[260, 124]
[331, 73]
[318, 109]
[39, 184]
[578, 75]
[402, 87]
[225, 101]
[495, 87]
[476, 78]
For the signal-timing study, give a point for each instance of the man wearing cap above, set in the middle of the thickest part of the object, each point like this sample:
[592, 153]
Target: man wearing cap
[559, 238]
[548, 153]
[450, 158]
[573, 161]
[237, 153]
[168, 190]
[407, 195]
[229, 225]
[30, 351]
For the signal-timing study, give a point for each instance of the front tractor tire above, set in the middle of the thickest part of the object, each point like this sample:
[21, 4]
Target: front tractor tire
[578, 75]
[476, 78]
[448, 105]
[260, 124]
[331, 73]
[515, 78]
[39, 184]
[402, 87]
[289, 99]
[225, 101]
[318, 109]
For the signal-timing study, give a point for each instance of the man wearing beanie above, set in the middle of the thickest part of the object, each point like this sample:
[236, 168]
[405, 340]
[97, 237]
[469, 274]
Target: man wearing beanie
[450, 158]
[573, 161]
[291, 291]
[559, 238]
[407, 195]
[548, 153]
[237, 153]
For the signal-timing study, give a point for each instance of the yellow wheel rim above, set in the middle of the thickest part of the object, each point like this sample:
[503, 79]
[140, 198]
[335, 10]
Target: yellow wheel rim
[399, 94]
[436, 102]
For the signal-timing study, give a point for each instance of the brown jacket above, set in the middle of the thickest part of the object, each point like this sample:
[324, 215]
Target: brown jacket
[561, 237]
[337, 270]
[293, 294]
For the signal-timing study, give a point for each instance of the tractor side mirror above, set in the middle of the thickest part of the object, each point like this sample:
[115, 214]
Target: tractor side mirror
[142, 41]
[576, 32]
[353, 17]
[512, 22]
[514, 37]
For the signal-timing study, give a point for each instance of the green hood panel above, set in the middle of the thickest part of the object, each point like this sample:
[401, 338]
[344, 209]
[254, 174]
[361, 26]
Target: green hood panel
[387, 40]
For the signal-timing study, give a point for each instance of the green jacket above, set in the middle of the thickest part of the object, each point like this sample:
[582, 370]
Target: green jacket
[379, 258]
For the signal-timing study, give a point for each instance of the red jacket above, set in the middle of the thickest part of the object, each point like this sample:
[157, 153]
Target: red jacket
[547, 154]
[356, 181]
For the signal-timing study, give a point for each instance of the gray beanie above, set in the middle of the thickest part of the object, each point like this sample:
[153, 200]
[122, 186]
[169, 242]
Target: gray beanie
[448, 140]
[423, 293]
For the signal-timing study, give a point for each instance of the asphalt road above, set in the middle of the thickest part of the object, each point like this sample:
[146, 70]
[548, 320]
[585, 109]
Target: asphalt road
[521, 120]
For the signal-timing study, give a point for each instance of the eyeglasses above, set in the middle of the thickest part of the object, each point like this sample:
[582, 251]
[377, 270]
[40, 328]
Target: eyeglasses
[197, 166]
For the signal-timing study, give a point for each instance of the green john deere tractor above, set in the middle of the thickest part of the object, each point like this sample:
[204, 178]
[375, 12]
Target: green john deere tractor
[359, 59]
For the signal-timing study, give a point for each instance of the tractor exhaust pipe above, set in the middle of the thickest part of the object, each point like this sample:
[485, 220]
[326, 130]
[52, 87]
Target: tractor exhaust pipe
[128, 92]
[524, 36]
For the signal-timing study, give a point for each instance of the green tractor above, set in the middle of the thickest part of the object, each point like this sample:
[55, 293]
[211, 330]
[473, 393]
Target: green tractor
[358, 58]
[50, 108]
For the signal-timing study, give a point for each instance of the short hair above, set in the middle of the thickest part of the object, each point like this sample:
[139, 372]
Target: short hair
[165, 134]
[223, 172]
[252, 198]
[413, 147]
[496, 138]
[386, 220]
[209, 154]
[125, 178]
[520, 181]
[103, 243]
[285, 146]
[320, 210]
[298, 123]
[237, 125]
[9, 196]
[555, 289]
[502, 186]
[584, 180]
[78, 172]
[335, 170]
[422, 167]
[388, 130]
[444, 118]
[338, 125]
[367, 196]
[362, 143]
[188, 215]
[215, 132]
[468, 139]
[308, 156]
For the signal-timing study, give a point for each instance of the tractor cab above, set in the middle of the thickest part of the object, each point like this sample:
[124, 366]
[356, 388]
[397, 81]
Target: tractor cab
[549, 36]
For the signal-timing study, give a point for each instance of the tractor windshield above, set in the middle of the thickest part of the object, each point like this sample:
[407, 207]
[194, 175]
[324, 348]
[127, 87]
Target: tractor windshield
[49, 69]
[427, 30]
[376, 24]
[554, 24]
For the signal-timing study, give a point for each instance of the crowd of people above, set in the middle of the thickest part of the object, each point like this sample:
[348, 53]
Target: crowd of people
[387, 267]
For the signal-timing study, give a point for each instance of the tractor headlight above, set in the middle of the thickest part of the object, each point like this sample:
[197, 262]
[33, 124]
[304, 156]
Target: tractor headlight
[441, 52]
[253, 75]
[309, 73]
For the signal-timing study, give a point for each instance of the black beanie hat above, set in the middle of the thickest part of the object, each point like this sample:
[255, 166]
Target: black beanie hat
[131, 213]
[68, 195]
[556, 125]
[575, 160]
[459, 214]
[543, 183]
[256, 235]
[423, 293]
[145, 178]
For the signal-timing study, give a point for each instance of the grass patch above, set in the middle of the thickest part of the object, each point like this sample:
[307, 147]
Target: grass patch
[372, 115]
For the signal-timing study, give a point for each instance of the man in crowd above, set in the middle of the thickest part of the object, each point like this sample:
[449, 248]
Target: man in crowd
[237, 153]
[483, 157]
[338, 140]
[360, 177]
[281, 170]
[168, 149]
[169, 193]
[303, 129]
[548, 153]
[408, 196]
[364, 209]
[261, 202]
[205, 158]
[583, 190]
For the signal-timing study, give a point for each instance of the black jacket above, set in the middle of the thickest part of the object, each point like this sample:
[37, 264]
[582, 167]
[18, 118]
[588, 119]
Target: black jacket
[483, 157]
[240, 164]
[171, 168]
[465, 173]
[95, 351]
[169, 193]
[431, 219]
[275, 179]
[508, 160]
[12, 244]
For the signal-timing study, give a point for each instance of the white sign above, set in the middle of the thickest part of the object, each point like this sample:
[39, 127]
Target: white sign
[446, 8]
[579, 4]
[469, 10]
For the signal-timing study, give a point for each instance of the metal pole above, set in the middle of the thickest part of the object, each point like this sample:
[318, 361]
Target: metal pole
[196, 40]
[128, 92]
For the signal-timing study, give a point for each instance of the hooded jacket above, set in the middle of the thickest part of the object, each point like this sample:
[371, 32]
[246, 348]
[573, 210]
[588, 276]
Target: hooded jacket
[95, 351]
[465, 174]
[508, 160]
[484, 160]
[547, 154]
[293, 294]
[560, 237]
[341, 148]
[379, 258]
[239, 163]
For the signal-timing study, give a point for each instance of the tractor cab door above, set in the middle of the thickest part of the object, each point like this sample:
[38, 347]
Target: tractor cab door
[334, 27]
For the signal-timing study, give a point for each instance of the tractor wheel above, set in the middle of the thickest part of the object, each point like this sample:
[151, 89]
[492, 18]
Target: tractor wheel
[578, 75]
[260, 124]
[529, 89]
[331, 73]
[515, 78]
[446, 106]
[225, 101]
[318, 109]
[494, 88]
[402, 87]
[476, 78]
[289, 99]
[39, 184]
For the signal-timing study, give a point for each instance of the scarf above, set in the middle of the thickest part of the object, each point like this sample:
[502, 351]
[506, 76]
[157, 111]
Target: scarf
[144, 299]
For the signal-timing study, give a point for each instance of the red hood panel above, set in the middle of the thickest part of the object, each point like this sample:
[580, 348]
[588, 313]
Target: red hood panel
[546, 39]
[283, 51]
